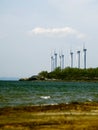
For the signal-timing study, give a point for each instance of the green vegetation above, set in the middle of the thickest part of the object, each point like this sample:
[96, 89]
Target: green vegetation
[71, 74]
[67, 74]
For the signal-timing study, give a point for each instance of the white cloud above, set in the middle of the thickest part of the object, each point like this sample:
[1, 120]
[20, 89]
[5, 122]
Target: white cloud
[62, 32]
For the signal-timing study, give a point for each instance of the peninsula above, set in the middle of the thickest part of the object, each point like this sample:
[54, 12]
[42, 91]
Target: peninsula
[66, 74]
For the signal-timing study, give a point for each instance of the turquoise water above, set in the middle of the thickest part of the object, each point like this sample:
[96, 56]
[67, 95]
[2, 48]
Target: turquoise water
[16, 93]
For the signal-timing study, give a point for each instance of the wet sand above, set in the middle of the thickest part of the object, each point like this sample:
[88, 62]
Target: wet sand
[74, 116]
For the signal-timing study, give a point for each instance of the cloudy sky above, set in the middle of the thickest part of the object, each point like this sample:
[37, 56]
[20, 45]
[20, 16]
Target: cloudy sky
[31, 30]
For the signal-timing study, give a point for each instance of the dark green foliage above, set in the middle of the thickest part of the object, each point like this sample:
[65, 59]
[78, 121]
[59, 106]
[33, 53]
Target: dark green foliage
[66, 74]
[71, 74]
[43, 74]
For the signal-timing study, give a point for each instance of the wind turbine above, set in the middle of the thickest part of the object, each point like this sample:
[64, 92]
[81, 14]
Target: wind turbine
[84, 50]
[62, 56]
[52, 63]
[78, 52]
[60, 60]
[71, 54]
[55, 58]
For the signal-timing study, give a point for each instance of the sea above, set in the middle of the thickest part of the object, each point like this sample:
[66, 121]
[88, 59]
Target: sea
[30, 93]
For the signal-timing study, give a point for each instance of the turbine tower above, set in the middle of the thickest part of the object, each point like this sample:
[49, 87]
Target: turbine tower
[60, 61]
[62, 56]
[78, 52]
[55, 58]
[71, 53]
[84, 57]
[52, 63]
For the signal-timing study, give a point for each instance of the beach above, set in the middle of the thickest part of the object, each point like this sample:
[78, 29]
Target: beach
[73, 116]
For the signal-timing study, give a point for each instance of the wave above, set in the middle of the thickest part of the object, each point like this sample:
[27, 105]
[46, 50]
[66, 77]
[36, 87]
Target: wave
[45, 97]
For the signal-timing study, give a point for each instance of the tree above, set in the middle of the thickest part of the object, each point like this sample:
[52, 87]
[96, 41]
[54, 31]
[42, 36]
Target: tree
[43, 74]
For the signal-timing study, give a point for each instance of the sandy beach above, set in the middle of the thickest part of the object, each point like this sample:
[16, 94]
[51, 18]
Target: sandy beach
[75, 116]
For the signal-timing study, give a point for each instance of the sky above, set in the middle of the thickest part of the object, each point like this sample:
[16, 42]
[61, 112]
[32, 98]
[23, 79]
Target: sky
[32, 30]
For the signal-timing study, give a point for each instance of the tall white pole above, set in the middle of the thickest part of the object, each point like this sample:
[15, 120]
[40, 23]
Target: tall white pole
[51, 63]
[55, 54]
[78, 52]
[71, 53]
[84, 57]
[62, 61]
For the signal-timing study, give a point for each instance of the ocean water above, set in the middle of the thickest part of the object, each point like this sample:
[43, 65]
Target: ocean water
[24, 93]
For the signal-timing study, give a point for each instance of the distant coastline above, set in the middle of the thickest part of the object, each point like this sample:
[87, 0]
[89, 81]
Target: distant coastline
[9, 79]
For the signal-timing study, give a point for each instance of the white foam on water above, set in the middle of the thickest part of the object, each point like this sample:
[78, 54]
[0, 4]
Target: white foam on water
[45, 97]
[67, 102]
[90, 100]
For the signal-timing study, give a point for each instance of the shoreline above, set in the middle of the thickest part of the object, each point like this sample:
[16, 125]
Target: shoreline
[52, 106]
[46, 107]
[59, 80]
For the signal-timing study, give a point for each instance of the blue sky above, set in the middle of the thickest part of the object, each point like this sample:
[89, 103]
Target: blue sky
[30, 30]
